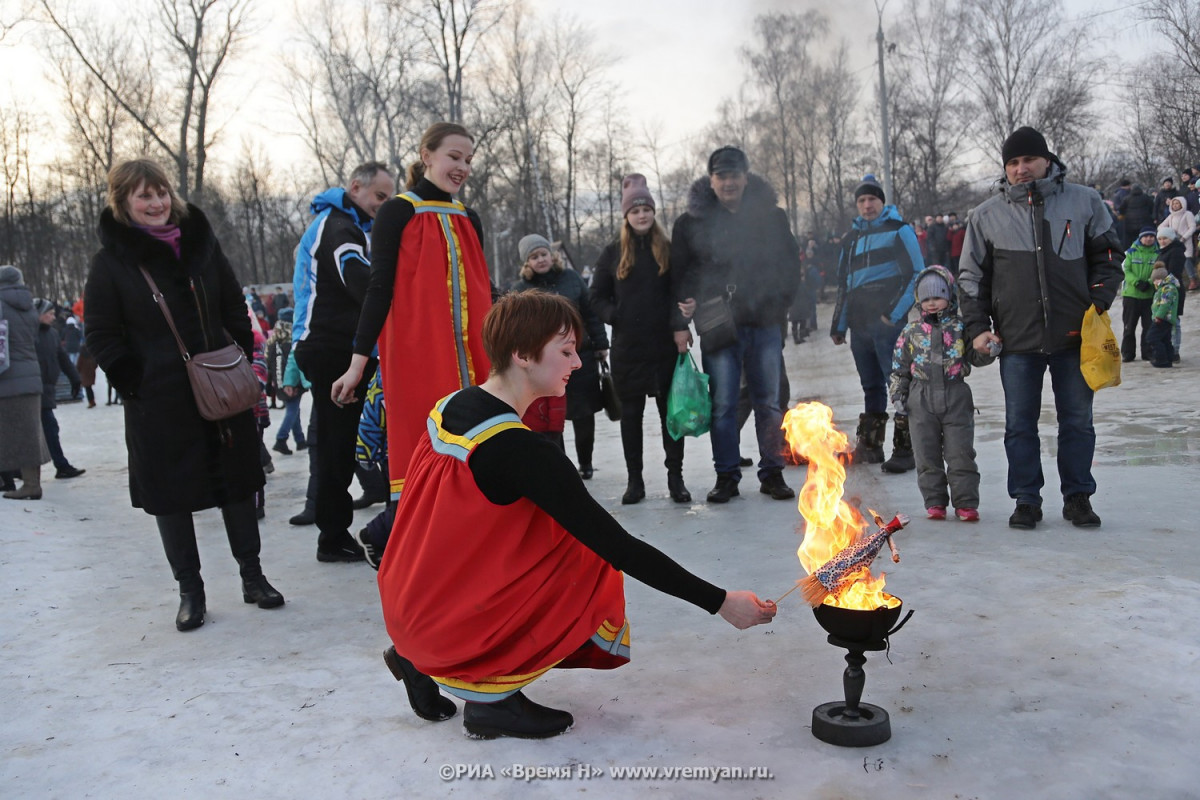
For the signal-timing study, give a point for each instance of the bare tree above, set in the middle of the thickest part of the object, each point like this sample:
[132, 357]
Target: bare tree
[930, 108]
[357, 88]
[452, 30]
[577, 75]
[1026, 67]
[195, 39]
[1178, 21]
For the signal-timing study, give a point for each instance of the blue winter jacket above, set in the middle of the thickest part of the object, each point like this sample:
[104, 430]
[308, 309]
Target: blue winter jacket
[877, 271]
[333, 265]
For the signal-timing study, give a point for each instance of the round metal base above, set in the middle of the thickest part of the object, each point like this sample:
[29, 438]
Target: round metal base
[871, 727]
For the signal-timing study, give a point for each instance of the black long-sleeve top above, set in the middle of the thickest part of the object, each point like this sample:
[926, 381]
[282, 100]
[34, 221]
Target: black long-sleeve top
[519, 463]
[386, 233]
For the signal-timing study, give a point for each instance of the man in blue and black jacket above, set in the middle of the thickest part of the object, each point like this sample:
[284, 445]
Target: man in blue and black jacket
[877, 271]
[333, 264]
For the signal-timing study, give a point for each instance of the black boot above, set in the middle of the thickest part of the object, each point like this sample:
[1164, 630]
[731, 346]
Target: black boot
[179, 543]
[516, 716]
[635, 491]
[679, 492]
[868, 447]
[902, 459]
[423, 694]
[241, 528]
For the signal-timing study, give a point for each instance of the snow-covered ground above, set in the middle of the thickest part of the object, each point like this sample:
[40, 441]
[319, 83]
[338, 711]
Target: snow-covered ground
[1054, 663]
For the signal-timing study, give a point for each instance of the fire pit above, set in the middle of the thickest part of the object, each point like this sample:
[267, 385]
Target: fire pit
[836, 552]
[851, 723]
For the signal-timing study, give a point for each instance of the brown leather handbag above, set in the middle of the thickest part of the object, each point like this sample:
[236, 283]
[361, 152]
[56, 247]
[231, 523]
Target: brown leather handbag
[223, 380]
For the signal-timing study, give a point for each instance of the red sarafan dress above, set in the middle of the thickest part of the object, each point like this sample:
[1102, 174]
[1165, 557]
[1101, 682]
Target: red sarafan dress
[431, 343]
[486, 598]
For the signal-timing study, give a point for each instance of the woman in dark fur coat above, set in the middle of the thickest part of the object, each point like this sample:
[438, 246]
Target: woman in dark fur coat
[179, 462]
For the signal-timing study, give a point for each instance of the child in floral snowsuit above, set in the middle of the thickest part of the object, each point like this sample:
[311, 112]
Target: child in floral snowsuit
[929, 365]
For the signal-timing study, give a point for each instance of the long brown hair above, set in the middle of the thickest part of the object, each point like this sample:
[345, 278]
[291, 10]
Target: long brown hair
[431, 140]
[124, 179]
[660, 248]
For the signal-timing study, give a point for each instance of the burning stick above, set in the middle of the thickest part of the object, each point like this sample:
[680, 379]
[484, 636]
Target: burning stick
[830, 577]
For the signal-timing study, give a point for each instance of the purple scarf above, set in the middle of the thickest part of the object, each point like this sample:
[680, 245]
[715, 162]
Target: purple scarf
[168, 234]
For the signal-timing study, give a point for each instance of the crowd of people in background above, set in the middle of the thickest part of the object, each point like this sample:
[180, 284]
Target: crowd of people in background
[391, 324]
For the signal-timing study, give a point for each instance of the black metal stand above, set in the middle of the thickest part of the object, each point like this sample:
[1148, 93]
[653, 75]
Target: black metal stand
[852, 723]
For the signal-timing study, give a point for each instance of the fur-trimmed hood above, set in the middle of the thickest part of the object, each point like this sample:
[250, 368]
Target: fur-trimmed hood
[132, 245]
[759, 195]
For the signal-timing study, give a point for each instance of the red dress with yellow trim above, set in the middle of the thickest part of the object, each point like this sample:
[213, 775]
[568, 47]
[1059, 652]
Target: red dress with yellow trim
[431, 343]
[485, 598]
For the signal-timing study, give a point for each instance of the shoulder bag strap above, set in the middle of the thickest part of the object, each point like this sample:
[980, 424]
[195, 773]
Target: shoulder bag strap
[162, 305]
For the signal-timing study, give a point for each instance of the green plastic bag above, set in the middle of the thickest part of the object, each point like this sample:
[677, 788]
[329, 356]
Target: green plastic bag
[689, 408]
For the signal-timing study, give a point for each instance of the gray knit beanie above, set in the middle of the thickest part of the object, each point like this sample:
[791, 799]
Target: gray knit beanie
[931, 286]
[10, 275]
[530, 243]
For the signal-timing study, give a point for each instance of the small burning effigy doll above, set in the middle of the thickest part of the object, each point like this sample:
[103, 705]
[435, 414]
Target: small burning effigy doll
[832, 576]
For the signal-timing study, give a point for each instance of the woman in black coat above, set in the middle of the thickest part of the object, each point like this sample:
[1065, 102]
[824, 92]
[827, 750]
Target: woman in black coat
[179, 462]
[542, 268]
[631, 291]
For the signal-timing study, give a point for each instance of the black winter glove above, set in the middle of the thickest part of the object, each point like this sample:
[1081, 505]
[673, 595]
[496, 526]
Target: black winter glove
[1143, 286]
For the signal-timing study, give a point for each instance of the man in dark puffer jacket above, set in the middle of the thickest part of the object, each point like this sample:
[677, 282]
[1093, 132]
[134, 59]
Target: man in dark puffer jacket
[1035, 257]
[735, 242]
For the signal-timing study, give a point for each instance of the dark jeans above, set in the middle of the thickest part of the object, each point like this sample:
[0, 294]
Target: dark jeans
[336, 434]
[1161, 350]
[872, 347]
[585, 438]
[50, 431]
[1133, 311]
[757, 352]
[1022, 376]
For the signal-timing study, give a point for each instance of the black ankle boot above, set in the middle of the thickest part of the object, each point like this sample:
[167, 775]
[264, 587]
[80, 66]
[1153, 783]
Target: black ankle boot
[423, 694]
[679, 492]
[515, 716]
[635, 491]
[191, 610]
[257, 590]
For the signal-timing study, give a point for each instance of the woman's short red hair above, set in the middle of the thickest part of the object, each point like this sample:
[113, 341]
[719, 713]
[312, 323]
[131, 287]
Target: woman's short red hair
[522, 323]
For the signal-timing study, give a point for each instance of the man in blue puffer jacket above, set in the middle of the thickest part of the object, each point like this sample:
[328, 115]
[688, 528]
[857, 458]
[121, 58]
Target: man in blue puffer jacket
[877, 272]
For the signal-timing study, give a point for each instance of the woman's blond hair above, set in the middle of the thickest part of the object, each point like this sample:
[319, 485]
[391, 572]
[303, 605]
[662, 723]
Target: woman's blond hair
[431, 140]
[660, 248]
[126, 177]
[556, 264]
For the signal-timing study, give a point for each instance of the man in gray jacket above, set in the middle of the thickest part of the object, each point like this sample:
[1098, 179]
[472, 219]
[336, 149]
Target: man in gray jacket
[1034, 258]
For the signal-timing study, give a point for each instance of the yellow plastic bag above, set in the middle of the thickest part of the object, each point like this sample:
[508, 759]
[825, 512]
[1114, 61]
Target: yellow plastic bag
[1099, 356]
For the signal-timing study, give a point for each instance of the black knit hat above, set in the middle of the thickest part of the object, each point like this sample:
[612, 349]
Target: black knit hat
[870, 185]
[728, 159]
[1024, 142]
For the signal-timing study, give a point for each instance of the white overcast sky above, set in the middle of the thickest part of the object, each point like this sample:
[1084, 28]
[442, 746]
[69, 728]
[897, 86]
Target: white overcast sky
[675, 60]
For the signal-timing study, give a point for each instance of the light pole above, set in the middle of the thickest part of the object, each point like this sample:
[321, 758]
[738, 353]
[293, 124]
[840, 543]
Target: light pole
[883, 108]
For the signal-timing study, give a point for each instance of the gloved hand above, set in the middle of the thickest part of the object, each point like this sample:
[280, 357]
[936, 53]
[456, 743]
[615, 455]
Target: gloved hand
[1143, 286]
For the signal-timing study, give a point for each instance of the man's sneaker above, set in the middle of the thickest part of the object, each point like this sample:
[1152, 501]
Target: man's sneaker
[1026, 516]
[372, 553]
[773, 485]
[936, 512]
[69, 472]
[726, 488]
[305, 517]
[347, 551]
[1078, 509]
[280, 446]
[967, 514]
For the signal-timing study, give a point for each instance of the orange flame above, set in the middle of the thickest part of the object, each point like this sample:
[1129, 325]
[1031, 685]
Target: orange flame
[830, 524]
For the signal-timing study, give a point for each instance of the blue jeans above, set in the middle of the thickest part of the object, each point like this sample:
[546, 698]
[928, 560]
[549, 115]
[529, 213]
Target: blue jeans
[1022, 375]
[50, 431]
[872, 349]
[291, 420]
[757, 351]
